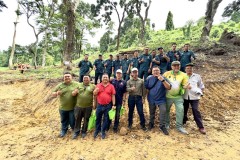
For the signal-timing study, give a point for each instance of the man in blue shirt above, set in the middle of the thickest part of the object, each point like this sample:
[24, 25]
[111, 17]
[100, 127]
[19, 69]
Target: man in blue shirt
[116, 65]
[155, 59]
[108, 64]
[125, 67]
[157, 86]
[99, 68]
[120, 96]
[163, 58]
[186, 57]
[144, 64]
[134, 60]
[84, 66]
[173, 55]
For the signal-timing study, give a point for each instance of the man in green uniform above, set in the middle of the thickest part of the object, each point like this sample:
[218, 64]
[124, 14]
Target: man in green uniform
[99, 68]
[84, 66]
[108, 64]
[125, 67]
[144, 64]
[116, 65]
[67, 101]
[173, 55]
[83, 109]
[186, 57]
[164, 59]
[134, 60]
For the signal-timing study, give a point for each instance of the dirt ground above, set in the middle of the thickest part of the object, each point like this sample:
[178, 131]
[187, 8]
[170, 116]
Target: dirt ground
[30, 124]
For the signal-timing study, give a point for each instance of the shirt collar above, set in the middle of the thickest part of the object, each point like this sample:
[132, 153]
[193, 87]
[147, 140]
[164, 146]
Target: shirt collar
[177, 73]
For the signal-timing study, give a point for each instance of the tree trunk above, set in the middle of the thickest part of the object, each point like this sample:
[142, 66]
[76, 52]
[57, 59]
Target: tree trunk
[10, 62]
[118, 36]
[69, 44]
[212, 6]
[45, 49]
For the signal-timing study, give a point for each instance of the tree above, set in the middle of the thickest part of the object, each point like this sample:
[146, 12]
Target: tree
[169, 22]
[231, 8]
[109, 7]
[143, 18]
[2, 5]
[10, 61]
[212, 6]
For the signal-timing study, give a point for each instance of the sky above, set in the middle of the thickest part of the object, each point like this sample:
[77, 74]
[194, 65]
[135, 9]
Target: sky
[183, 10]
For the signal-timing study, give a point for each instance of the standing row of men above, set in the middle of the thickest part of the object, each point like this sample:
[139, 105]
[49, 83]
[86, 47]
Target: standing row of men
[173, 87]
[143, 63]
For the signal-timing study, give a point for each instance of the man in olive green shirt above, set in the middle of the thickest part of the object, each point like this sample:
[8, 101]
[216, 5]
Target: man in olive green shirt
[67, 102]
[83, 109]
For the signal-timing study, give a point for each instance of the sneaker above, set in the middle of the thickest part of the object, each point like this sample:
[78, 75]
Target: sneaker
[182, 130]
[202, 130]
[84, 135]
[75, 135]
[164, 130]
[144, 128]
[103, 135]
[95, 135]
[62, 134]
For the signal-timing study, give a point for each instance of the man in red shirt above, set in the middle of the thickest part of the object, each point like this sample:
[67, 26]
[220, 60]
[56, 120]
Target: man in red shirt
[105, 93]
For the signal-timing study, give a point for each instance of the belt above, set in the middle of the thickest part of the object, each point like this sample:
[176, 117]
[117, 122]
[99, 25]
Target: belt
[105, 105]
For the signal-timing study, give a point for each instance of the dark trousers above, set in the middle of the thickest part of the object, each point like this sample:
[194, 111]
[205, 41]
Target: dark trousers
[125, 77]
[98, 75]
[102, 111]
[132, 101]
[143, 74]
[109, 74]
[81, 78]
[195, 111]
[162, 114]
[82, 113]
[183, 69]
[67, 118]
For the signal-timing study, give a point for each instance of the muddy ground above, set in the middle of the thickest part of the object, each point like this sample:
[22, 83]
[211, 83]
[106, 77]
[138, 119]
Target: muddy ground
[30, 124]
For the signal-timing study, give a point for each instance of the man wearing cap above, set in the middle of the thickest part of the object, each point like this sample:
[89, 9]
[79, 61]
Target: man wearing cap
[144, 64]
[99, 68]
[116, 65]
[134, 60]
[105, 93]
[108, 64]
[173, 55]
[164, 59]
[155, 59]
[121, 89]
[192, 96]
[83, 109]
[137, 93]
[125, 67]
[67, 102]
[186, 57]
[157, 86]
[179, 82]
[84, 66]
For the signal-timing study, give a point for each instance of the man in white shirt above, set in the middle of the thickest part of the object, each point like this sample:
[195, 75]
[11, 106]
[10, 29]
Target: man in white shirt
[192, 96]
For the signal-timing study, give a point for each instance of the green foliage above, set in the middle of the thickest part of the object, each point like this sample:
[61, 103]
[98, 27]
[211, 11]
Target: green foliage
[169, 22]
[231, 8]
[235, 16]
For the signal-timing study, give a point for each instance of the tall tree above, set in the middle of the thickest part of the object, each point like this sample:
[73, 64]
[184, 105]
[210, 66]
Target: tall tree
[169, 22]
[233, 11]
[10, 61]
[139, 4]
[212, 6]
[2, 5]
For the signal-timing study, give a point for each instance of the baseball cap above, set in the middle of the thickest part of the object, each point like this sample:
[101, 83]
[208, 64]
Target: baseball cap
[176, 63]
[119, 71]
[134, 69]
[190, 64]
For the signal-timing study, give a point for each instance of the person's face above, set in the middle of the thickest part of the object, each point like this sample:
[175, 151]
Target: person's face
[174, 47]
[176, 67]
[86, 57]
[125, 56]
[119, 75]
[155, 72]
[135, 74]
[160, 50]
[153, 53]
[186, 47]
[189, 69]
[100, 57]
[105, 78]
[135, 54]
[111, 57]
[117, 57]
[146, 50]
[86, 79]
[67, 78]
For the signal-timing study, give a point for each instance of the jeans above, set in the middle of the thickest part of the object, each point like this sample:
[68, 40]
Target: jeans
[67, 118]
[178, 102]
[98, 75]
[143, 74]
[102, 110]
[195, 111]
[162, 114]
[132, 101]
[82, 113]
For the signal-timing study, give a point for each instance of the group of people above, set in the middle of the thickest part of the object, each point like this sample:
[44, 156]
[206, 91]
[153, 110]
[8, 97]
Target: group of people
[143, 63]
[153, 82]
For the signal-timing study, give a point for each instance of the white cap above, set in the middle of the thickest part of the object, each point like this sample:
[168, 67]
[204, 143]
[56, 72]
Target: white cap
[134, 69]
[119, 71]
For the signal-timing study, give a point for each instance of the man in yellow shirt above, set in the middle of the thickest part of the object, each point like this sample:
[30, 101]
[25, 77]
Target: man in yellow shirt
[179, 82]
